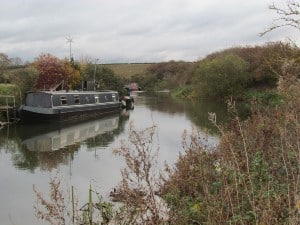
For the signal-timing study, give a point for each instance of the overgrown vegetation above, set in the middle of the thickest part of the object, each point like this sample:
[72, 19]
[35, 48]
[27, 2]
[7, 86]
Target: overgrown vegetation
[253, 175]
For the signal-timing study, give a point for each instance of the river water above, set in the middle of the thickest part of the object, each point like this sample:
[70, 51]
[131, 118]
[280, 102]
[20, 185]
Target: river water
[81, 154]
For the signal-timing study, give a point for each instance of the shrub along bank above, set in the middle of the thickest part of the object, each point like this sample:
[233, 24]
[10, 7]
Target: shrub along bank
[240, 72]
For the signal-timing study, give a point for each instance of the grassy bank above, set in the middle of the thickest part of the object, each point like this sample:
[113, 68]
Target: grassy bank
[8, 89]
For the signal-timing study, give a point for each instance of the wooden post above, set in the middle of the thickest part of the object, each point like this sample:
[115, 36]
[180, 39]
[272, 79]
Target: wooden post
[7, 113]
[73, 205]
[14, 108]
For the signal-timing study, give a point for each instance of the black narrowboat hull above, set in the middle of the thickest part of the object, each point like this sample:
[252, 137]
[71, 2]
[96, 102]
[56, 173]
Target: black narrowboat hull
[67, 113]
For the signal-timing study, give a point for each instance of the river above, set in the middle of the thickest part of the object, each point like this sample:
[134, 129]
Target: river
[81, 154]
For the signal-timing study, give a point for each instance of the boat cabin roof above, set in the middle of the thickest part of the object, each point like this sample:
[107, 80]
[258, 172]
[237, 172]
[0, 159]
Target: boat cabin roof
[72, 92]
[49, 99]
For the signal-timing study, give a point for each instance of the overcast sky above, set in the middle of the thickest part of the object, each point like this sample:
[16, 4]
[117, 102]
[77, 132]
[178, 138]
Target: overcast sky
[130, 31]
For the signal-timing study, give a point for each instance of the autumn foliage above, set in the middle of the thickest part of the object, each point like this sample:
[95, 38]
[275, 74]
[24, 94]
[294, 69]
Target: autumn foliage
[72, 73]
[53, 71]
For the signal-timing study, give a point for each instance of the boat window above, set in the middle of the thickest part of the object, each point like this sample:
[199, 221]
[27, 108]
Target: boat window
[63, 100]
[96, 99]
[114, 97]
[76, 99]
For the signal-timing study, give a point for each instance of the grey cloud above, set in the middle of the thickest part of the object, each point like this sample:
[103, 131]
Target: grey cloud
[148, 30]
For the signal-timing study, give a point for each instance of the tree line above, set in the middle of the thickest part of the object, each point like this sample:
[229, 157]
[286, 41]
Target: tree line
[239, 72]
[232, 72]
[47, 72]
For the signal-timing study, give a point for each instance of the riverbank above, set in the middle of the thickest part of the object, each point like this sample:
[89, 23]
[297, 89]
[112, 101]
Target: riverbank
[251, 178]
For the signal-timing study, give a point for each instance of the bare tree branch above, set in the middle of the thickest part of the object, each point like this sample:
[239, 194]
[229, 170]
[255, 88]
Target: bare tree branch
[287, 17]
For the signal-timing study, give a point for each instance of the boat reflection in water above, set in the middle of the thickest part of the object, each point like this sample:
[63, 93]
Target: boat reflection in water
[46, 146]
[44, 138]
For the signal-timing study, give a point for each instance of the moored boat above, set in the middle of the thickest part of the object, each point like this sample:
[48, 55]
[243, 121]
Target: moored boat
[67, 106]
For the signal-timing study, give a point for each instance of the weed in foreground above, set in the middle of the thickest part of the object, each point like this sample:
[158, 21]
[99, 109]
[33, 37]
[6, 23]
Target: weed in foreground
[53, 210]
[62, 207]
[138, 189]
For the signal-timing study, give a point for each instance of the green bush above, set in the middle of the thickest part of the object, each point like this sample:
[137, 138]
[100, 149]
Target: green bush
[265, 61]
[221, 77]
[105, 79]
[25, 78]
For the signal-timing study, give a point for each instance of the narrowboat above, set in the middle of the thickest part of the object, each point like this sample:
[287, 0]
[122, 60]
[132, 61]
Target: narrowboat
[68, 106]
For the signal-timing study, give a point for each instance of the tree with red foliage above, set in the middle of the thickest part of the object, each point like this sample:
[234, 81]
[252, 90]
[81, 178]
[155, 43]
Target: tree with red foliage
[51, 72]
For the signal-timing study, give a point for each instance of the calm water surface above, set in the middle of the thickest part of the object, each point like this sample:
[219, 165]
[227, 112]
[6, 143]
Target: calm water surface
[82, 154]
